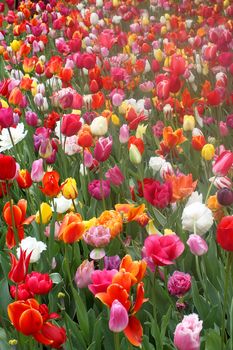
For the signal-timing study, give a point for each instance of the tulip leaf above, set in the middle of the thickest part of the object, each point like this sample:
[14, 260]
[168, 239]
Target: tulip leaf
[81, 314]
[5, 299]
[3, 340]
[213, 341]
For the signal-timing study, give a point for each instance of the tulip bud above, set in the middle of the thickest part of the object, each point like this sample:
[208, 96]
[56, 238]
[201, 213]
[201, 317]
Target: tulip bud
[119, 318]
[103, 149]
[197, 245]
[207, 151]
[31, 118]
[83, 274]
[188, 123]
[6, 117]
[221, 182]
[134, 155]
[124, 134]
[37, 171]
[44, 214]
[69, 189]
[225, 196]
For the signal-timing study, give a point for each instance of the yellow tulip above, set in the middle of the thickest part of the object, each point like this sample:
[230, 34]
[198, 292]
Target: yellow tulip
[44, 214]
[208, 151]
[188, 122]
[69, 188]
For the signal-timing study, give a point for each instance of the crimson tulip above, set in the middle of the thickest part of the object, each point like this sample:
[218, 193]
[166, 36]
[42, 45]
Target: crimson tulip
[225, 233]
[103, 149]
[70, 125]
[7, 167]
[19, 268]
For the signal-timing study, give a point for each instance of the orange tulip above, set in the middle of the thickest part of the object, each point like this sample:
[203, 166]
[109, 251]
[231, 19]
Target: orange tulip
[112, 220]
[19, 213]
[136, 268]
[72, 228]
[130, 212]
[182, 186]
[173, 138]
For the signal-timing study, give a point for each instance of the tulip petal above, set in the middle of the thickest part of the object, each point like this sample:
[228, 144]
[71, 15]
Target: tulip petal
[15, 311]
[133, 331]
[30, 322]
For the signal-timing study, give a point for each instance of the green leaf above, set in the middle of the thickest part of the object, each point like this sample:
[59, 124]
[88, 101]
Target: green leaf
[81, 314]
[165, 322]
[213, 341]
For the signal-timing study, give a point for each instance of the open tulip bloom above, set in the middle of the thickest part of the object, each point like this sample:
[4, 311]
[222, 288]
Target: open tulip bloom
[116, 174]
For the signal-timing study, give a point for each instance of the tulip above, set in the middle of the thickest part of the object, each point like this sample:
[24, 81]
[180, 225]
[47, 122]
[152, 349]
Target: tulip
[99, 189]
[83, 274]
[187, 333]
[31, 118]
[70, 124]
[112, 262]
[24, 178]
[69, 188]
[197, 245]
[97, 236]
[38, 283]
[19, 269]
[223, 163]
[7, 167]
[37, 171]
[32, 247]
[197, 217]
[72, 228]
[225, 233]
[6, 117]
[50, 183]
[124, 133]
[223, 129]
[101, 279]
[44, 214]
[134, 154]
[99, 126]
[31, 318]
[225, 196]
[162, 250]
[119, 318]
[115, 176]
[208, 151]
[179, 283]
[103, 149]
[188, 123]
[221, 182]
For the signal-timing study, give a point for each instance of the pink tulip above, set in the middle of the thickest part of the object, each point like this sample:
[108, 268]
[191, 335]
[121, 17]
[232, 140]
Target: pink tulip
[103, 149]
[83, 274]
[197, 245]
[223, 129]
[223, 163]
[101, 279]
[6, 117]
[115, 176]
[37, 171]
[162, 250]
[87, 159]
[187, 333]
[221, 182]
[119, 318]
[124, 134]
[97, 236]
[99, 189]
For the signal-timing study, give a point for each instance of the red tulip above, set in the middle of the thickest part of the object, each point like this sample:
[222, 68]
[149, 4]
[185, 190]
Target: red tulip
[19, 268]
[38, 283]
[178, 64]
[24, 179]
[31, 318]
[7, 167]
[70, 125]
[225, 233]
[50, 183]
[223, 163]
[159, 195]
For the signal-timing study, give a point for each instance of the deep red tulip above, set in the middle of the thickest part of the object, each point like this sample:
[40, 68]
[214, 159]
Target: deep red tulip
[19, 268]
[225, 233]
[70, 125]
[7, 167]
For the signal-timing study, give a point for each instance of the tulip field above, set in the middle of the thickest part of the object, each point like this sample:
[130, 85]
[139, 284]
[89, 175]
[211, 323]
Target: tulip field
[116, 173]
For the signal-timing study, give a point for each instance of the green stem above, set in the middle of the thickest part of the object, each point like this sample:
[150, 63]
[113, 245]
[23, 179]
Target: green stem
[116, 341]
[101, 187]
[226, 284]
[209, 190]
